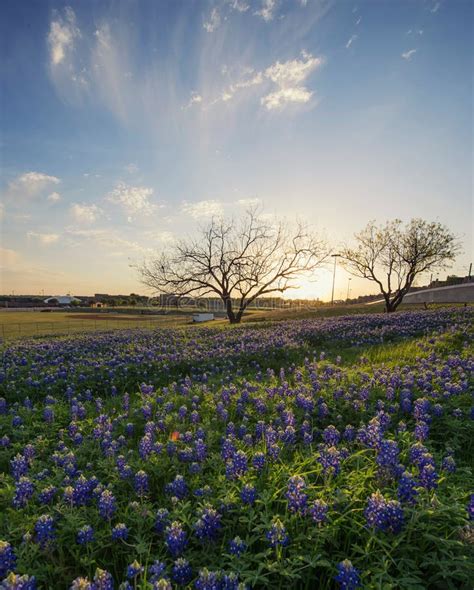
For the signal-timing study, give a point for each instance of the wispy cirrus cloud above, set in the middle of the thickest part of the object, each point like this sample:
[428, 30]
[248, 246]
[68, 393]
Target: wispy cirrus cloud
[44, 239]
[407, 55]
[267, 10]
[351, 41]
[30, 184]
[202, 209]
[63, 33]
[213, 22]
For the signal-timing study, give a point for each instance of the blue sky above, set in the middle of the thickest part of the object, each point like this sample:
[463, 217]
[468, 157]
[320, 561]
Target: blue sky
[125, 124]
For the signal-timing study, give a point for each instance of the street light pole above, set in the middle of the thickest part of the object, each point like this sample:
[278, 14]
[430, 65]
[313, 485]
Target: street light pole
[333, 277]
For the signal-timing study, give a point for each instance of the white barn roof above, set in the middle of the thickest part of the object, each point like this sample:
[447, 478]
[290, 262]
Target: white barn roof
[62, 299]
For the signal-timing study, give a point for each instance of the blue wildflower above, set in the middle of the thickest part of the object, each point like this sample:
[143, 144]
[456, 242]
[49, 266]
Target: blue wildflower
[175, 539]
[181, 572]
[348, 576]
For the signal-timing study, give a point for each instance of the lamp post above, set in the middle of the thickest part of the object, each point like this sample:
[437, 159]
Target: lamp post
[335, 256]
[348, 288]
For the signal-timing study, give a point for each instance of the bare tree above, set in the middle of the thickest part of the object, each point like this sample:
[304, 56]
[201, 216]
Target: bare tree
[237, 261]
[393, 255]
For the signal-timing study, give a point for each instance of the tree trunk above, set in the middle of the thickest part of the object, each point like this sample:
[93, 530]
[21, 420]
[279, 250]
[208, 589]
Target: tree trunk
[230, 312]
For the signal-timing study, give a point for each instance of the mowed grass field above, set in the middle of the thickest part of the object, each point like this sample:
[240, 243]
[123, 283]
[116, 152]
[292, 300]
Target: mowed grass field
[28, 324]
[24, 324]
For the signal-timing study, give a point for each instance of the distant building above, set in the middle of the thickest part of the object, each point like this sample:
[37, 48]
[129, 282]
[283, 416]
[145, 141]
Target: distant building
[62, 300]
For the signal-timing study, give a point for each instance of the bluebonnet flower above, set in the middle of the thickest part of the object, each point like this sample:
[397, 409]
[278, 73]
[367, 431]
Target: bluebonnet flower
[24, 490]
[448, 464]
[181, 571]
[421, 409]
[348, 576]
[248, 494]
[85, 535]
[157, 571]
[428, 478]
[7, 558]
[140, 483]
[177, 487]
[162, 520]
[134, 570]
[277, 535]
[384, 515]
[331, 435]
[200, 450]
[258, 461]
[48, 415]
[407, 488]
[45, 531]
[82, 491]
[231, 582]
[107, 505]
[296, 495]
[19, 466]
[209, 524]
[349, 433]
[237, 546]
[145, 446]
[17, 582]
[422, 430]
[103, 580]
[329, 458]
[237, 465]
[318, 511]
[175, 539]
[207, 580]
[120, 531]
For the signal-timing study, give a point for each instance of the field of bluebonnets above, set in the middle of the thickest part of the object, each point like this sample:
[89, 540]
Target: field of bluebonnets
[324, 454]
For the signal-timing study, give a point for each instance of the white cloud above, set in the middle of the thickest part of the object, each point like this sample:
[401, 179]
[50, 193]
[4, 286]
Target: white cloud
[280, 98]
[214, 21]
[195, 99]
[267, 10]
[54, 197]
[239, 5]
[62, 34]
[202, 209]
[409, 54]
[351, 41]
[133, 199]
[436, 7]
[86, 213]
[288, 76]
[45, 239]
[358, 21]
[30, 184]
[292, 72]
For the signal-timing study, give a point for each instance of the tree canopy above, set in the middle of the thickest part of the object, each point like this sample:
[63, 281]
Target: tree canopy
[237, 260]
[394, 254]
